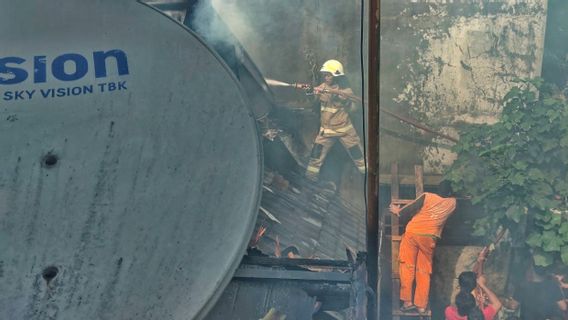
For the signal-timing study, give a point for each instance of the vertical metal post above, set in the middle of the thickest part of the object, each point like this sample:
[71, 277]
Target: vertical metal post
[372, 157]
[395, 243]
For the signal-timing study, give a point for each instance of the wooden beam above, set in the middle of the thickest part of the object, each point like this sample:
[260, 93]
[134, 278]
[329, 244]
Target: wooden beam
[419, 180]
[257, 273]
[395, 194]
[170, 6]
[286, 262]
[410, 180]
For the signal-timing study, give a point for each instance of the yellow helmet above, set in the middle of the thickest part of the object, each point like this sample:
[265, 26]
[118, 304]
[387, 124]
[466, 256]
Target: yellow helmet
[334, 67]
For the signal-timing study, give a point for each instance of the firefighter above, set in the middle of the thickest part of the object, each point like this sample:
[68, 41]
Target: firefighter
[335, 123]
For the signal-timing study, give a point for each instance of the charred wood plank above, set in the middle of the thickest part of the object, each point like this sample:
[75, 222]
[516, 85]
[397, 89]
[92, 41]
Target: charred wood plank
[285, 262]
[279, 274]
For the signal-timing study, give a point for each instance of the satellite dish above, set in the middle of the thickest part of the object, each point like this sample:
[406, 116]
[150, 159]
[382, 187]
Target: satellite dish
[130, 165]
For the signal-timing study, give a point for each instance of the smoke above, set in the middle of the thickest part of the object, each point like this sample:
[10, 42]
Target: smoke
[288, 40]
[235, 19]
[213, 20]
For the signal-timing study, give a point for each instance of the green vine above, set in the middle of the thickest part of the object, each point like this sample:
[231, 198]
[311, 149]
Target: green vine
[516, 170]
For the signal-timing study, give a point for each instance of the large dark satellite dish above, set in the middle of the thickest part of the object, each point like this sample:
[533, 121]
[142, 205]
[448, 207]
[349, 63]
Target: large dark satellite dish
[130, 165]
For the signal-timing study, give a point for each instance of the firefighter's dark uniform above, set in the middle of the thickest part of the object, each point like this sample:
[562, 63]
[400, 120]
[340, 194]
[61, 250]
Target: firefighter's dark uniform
[335, 125]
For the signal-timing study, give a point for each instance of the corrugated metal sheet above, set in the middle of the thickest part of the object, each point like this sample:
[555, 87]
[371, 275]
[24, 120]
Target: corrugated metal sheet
[312, 218]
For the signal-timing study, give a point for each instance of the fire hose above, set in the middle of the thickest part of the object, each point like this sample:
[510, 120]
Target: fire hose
[310, 90]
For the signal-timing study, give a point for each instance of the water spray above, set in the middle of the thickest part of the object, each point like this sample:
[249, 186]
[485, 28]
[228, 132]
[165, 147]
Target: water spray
[277, 83]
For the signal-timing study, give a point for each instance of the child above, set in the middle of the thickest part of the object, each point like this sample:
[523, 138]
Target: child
[466, 307]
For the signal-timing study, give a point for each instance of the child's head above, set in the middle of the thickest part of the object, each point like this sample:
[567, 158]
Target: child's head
[467, 281]
[445, 188]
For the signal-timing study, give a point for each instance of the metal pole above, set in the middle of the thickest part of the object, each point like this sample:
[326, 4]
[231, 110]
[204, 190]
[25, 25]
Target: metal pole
[372, 158]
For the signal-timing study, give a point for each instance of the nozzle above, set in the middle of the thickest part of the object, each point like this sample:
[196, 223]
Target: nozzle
[302, 86]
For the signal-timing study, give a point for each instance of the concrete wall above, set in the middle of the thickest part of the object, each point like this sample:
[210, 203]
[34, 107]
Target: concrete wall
[445, 62]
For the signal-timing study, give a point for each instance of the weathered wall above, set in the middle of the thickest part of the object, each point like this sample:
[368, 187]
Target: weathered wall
[443, 62]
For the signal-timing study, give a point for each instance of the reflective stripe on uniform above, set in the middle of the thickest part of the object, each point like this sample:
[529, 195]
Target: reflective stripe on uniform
[312, 169]
[338, 130]
[331, 110]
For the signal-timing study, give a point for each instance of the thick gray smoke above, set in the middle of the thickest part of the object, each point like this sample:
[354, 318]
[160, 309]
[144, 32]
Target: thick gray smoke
[289, 40]
[214, 30]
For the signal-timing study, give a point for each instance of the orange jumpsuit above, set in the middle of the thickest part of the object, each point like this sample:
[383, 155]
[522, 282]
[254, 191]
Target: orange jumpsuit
[417, 247]
[335, 124]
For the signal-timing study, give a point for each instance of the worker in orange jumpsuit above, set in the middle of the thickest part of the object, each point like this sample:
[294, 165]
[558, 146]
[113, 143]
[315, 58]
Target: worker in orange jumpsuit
[335, 123]
[418, 244]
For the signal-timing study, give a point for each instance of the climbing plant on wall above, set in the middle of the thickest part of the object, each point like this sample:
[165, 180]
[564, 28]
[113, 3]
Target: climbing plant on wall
[516, 170]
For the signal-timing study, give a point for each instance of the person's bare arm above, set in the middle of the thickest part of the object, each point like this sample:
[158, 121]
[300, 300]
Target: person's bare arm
[562, 305]
[493, 299]
[563, 284]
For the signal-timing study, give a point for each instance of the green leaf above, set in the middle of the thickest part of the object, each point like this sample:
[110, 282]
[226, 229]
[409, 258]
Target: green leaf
[515, 213]
[520, 165]
[549, 101]
[494, 149]
[563, 230]
[543, 259]
[513, 93]
[551, 242]
[517, 163]
[542, 216]
[550, 144]
[481, 227]
[561, 187]
[517, 179]
[564, 142]
[534, 240]
[555, 220]
[564, 254]
[530, 96]
[526, 126]
[537, 82]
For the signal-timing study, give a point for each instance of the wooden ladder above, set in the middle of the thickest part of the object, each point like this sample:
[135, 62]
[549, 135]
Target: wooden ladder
[396, 238]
